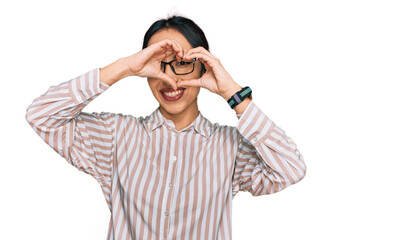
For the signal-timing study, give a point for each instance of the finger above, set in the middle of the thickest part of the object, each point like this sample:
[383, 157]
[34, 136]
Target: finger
[207, 67]
[200, 49]
[179, 50]
[166, 48]
[190, 83]
[174, 46]
[168, 52]
[206, 60]
[164, 77]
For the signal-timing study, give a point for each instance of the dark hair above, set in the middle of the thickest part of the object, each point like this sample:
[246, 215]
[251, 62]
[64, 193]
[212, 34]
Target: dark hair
[191, 31]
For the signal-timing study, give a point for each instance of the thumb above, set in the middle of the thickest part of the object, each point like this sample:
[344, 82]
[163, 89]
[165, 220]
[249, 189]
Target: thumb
[169, 80]
[190, 83]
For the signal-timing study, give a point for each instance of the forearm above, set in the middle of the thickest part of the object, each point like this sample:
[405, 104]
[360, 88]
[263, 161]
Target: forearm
[64, 101]
[267, 154]
[114, 72]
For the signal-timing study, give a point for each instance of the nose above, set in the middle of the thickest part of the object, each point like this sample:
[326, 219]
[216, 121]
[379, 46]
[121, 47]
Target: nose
[169, 72]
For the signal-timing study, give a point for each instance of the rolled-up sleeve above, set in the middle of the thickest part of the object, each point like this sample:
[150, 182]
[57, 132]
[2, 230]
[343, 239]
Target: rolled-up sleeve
[267, 160]
[85, 140]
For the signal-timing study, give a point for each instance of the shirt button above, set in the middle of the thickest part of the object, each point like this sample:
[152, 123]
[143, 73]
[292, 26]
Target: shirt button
[174, 158]
[170, 185]
[166, 213]
[79, 98]
[254, 139]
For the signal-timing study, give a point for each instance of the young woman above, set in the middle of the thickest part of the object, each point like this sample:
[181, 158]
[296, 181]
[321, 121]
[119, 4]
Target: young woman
[172, 174]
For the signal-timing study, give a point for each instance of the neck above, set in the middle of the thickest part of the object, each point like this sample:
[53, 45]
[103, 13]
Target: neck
[183, 119]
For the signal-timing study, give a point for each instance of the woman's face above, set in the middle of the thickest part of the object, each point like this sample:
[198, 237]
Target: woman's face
[186, 100]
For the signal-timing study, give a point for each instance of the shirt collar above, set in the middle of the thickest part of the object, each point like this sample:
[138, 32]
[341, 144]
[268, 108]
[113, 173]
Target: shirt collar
[201, 124]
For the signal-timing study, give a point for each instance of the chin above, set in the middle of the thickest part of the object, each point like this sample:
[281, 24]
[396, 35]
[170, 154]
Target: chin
[172, 109]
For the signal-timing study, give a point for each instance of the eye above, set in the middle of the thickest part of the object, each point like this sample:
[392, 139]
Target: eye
[182, 63]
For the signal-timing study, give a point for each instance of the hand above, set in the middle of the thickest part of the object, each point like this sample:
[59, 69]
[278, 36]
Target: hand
[146, 63]
[216, 79]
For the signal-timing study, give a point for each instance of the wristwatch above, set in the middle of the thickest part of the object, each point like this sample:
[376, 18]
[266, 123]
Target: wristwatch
[239, 96]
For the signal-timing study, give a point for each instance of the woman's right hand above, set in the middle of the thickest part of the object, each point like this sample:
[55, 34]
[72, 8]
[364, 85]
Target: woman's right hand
[146, 63]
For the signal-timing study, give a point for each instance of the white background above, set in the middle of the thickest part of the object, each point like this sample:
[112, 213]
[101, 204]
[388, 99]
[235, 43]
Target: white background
[337, 76]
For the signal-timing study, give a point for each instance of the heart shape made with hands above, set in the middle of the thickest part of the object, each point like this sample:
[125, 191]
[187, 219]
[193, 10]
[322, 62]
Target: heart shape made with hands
[216, 79]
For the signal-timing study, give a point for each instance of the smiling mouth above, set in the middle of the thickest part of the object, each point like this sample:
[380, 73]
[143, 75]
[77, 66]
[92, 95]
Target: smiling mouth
[170, 95]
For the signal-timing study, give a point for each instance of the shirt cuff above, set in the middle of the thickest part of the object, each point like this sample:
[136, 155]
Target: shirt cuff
[238, 115]
[86, 86]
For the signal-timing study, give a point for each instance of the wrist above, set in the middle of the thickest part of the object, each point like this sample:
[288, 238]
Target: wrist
[115, 71]
[239, 99]
[124, 67]
[241, 107]
[232, 90]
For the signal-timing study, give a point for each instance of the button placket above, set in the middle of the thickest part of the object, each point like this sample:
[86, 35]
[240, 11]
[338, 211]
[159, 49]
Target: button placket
[169, 185]
[174, 158]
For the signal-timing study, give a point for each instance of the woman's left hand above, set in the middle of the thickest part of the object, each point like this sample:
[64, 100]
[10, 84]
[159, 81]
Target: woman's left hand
[216, 79]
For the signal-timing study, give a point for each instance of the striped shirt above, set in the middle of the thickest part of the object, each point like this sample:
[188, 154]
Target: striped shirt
[160, 183]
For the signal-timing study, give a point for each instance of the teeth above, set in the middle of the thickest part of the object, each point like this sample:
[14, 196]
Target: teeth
[173, 94]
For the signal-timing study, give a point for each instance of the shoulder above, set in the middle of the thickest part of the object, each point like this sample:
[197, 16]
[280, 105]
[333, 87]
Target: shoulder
[218, 128]
[225, 132]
